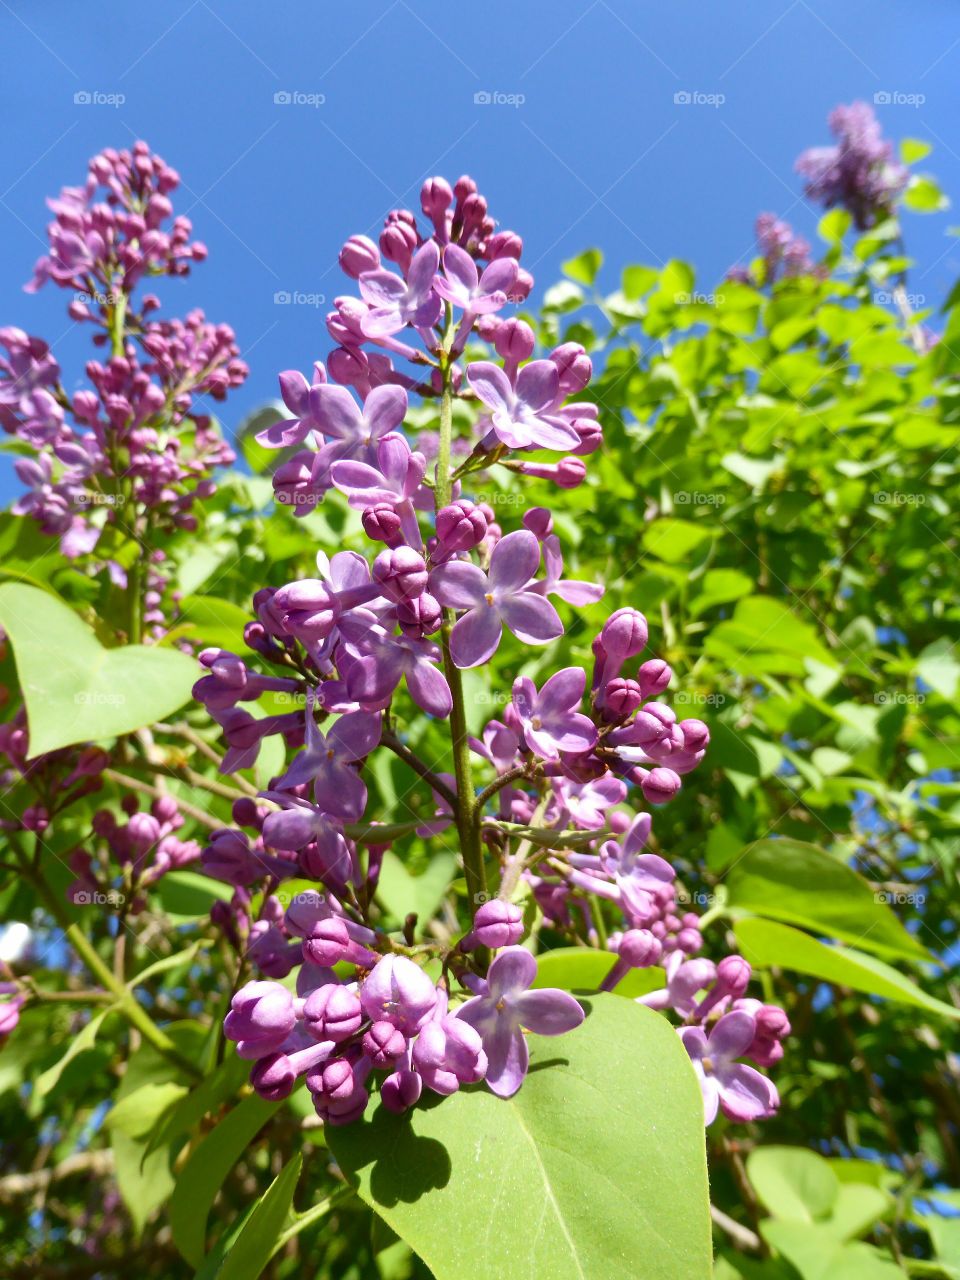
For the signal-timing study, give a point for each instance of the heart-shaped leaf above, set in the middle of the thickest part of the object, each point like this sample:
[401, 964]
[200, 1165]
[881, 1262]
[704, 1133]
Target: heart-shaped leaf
[596, 1168]
[75, 690]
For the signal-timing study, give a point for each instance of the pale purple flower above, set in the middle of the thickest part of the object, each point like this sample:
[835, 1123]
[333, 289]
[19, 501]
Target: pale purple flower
[860, 173]
[393, 481]
[353, 430]
[502, 597]
[550, 719]
[739, 1090]
[523, 416]
[374, 662]
[327, 761]
[572, 590]
[295, 391]
[685, 978]
[588, 803]
[475, 294]
[505, 1007]
[396, 302]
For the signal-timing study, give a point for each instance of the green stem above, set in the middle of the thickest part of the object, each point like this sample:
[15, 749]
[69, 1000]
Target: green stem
[467, 813]
[126, 1001]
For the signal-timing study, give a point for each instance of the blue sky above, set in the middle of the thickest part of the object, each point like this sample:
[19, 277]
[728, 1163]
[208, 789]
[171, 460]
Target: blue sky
[590, 149]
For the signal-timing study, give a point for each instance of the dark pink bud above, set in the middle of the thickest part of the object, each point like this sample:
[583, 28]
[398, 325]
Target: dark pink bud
[359, 254]
[401, 573]
[624, 634]
[274, 1077]
[522, 286]
[504, 244]
[384, 1044]
[420, 617]
[696, 735]
[382, 524]
[495, 924]
[574, 365]
[539, 521]
[400, 1091]
[332, 1013]
[733, 975]
[435, 197]
[660, 786]
[397, 244]
[653, 677]
[329, 942]
[621, 698]
[639, 948]
[514, 340]
[460, 527]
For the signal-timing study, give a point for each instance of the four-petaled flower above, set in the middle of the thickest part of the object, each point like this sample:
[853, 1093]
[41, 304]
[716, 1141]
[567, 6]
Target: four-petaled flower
[505, 1007]
[503, 596]
[551, 720]
[740, 1091]
[326, 762]
[521, 416]
[395, 302]
[465, 288]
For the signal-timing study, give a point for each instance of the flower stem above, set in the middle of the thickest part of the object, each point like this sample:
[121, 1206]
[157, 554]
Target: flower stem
[467, 813]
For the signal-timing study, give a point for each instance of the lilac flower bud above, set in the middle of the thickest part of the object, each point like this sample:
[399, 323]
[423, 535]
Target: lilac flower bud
[640, 949]
[273, 1077]
[9, 1015]
[401, 572]
[448, 1052]
[229, 857]
[245, 812]
[332, 1013]
[359, 254]
[574, 365]
[590, 432]
[397, 244]
[398, 991]
[733, 974]
[348, 367]
[514, 341]
[435, 198]
[539, 521]
[260, 1019]
[689, 941]
[382, 524]
[400, 1091]
[461, 526]
[653, 676]
[696, 735]
[290, 829]
[772, 1022]
[309, 608]
[624, 635]
[384, 1044]
[329, 942]
[420, 617]
[621, 698]
[505, 244]
[495, 924]
[660, 786]
[522, 286]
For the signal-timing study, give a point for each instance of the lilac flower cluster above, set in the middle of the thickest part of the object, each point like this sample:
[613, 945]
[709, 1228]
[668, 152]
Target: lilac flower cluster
[440, 1014]
[142, 850]
[785, 254]
[860, 173]
[134, 436]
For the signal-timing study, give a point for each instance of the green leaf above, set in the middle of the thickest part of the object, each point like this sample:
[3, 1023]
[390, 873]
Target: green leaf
[674, 540]
[401, 893]
[213, 622]
[793, 1182]
[205, 1170]
[75, 690]
[752, 471]
[924, 196]
[818, 1255]
[833, 226]
[798, 883]
[766, 944]
[938, 667]
[137, 1114]
[720, 586]
[258, 1239]
[914, 149]
[574, 1178]
[83, 1040]
[584, 267]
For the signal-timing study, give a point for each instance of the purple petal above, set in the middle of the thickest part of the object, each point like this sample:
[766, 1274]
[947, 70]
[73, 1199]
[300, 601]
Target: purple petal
[492, 385]
[475, 636]
[575, 733]
[538, 385]
[563, 691]
[339, 791]
[429, 689]
[548, 433]
[549, 1012]
[511, 972]
[286, 432]
[745, 1094]
[354, 735]
[524, 696]
[460, 269]
[335, 410]
[710, 1089]
[733, 1035]
[459, 584]
[576, 592]
[383, 322]
[382, 288]
[295, 391]
[531, 618]
[500, 276]
[507, 1058]
[348, 569]
[515, 560]
[363, 485]
[694, 1041]
[423, 267]
[384, 409]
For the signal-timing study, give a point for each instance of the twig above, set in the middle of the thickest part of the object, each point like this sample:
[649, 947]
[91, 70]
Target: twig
[437, 784]
[741, 1236]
